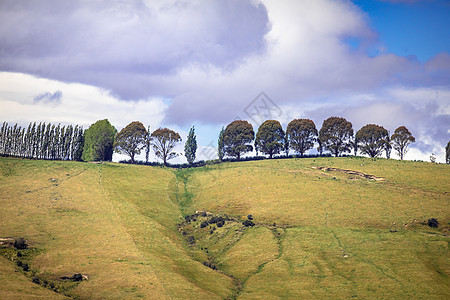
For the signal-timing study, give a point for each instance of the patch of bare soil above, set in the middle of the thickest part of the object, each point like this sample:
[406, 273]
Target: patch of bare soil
[351, 172]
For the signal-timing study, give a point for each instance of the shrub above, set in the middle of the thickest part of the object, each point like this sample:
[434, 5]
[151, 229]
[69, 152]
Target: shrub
[191, 239]
[203, 224]
[250, 217]
[20, 244]
[210, 265]
[220, 223]
[19, 254]
[215, 219]
[19, 263]
[36, 280]
[433, 223]
[77, 277]
[248, 223]
[25, 267]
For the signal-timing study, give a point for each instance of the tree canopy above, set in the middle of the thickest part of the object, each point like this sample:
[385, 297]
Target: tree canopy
[372, 139]
[270, 138]
[401, 139]
[99, 141]
[301, 135]
[131, 139]
[237, 137]
[164, 141]
[335, 135]
[191, 146]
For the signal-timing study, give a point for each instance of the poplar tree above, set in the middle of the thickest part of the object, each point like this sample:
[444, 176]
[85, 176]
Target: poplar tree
[191, 146]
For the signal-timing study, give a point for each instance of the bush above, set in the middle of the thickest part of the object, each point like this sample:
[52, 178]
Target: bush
[25, 267]
[77, 277]
[19, 263]
[220, 223]
[250, 217]
[210, 265]
[215, 219]
[36, 280]
[19, 254]
[20, 244]
[248, 223]
[433, 223]
[203, 224]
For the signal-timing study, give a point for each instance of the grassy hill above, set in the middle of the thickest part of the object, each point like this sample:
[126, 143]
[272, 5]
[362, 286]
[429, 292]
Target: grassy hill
[323, 229]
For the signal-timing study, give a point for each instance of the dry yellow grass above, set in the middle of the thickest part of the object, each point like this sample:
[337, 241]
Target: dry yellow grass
[336, 235]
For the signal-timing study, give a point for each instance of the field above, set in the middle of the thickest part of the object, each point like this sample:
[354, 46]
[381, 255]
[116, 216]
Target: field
[321, 230]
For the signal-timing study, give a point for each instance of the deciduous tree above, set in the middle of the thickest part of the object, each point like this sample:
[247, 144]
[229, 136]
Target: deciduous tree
[401, 139]
[191, 146]
[164, 141]
[131, 140]
[372, 139]
[302, 134]
[237, 137]
[335, 135]
[98, 141]
[270, 138]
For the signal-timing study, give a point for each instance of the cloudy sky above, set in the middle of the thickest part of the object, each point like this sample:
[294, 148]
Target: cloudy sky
[178, 63]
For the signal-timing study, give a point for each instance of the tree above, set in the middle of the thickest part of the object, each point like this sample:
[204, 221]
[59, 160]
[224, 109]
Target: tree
[447, 153]
[191, 146]
[372, 139]
[164, 140]
[237, 137]
[270, 138]
[98, 141]
[302, 134]
[148, 143]
[335, 135]
[220, 145]
[388, 146]
[131, 140]
[401, 140]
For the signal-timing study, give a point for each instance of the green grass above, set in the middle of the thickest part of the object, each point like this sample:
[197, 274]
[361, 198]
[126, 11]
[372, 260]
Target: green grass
[318, 234]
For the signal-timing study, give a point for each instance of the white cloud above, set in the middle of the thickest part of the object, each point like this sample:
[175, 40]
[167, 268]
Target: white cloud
[79, 104]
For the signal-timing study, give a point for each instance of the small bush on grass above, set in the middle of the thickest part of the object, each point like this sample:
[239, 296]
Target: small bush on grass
[20, 244]
[248, 223]
[77, 277]
[25, 267]
[36, 280]
[203, 224]
[433, 223]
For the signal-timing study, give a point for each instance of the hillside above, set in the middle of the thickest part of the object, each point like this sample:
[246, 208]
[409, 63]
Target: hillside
[323, 228]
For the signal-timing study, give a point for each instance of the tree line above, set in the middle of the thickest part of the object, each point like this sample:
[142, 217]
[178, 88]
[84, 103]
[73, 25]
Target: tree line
[101, 140]
[42, 141]
[336, 136]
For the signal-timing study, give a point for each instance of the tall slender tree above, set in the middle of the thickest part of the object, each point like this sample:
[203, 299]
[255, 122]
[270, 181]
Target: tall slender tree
[221, 145]
[190, 147]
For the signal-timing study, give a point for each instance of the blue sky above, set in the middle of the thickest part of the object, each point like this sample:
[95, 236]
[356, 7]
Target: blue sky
[179, 63]
[418, 28]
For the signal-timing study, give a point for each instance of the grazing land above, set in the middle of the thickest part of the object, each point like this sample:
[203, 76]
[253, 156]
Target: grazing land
[316, 228]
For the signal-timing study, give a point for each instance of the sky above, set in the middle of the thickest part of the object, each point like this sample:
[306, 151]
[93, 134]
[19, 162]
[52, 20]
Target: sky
[180, 63]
